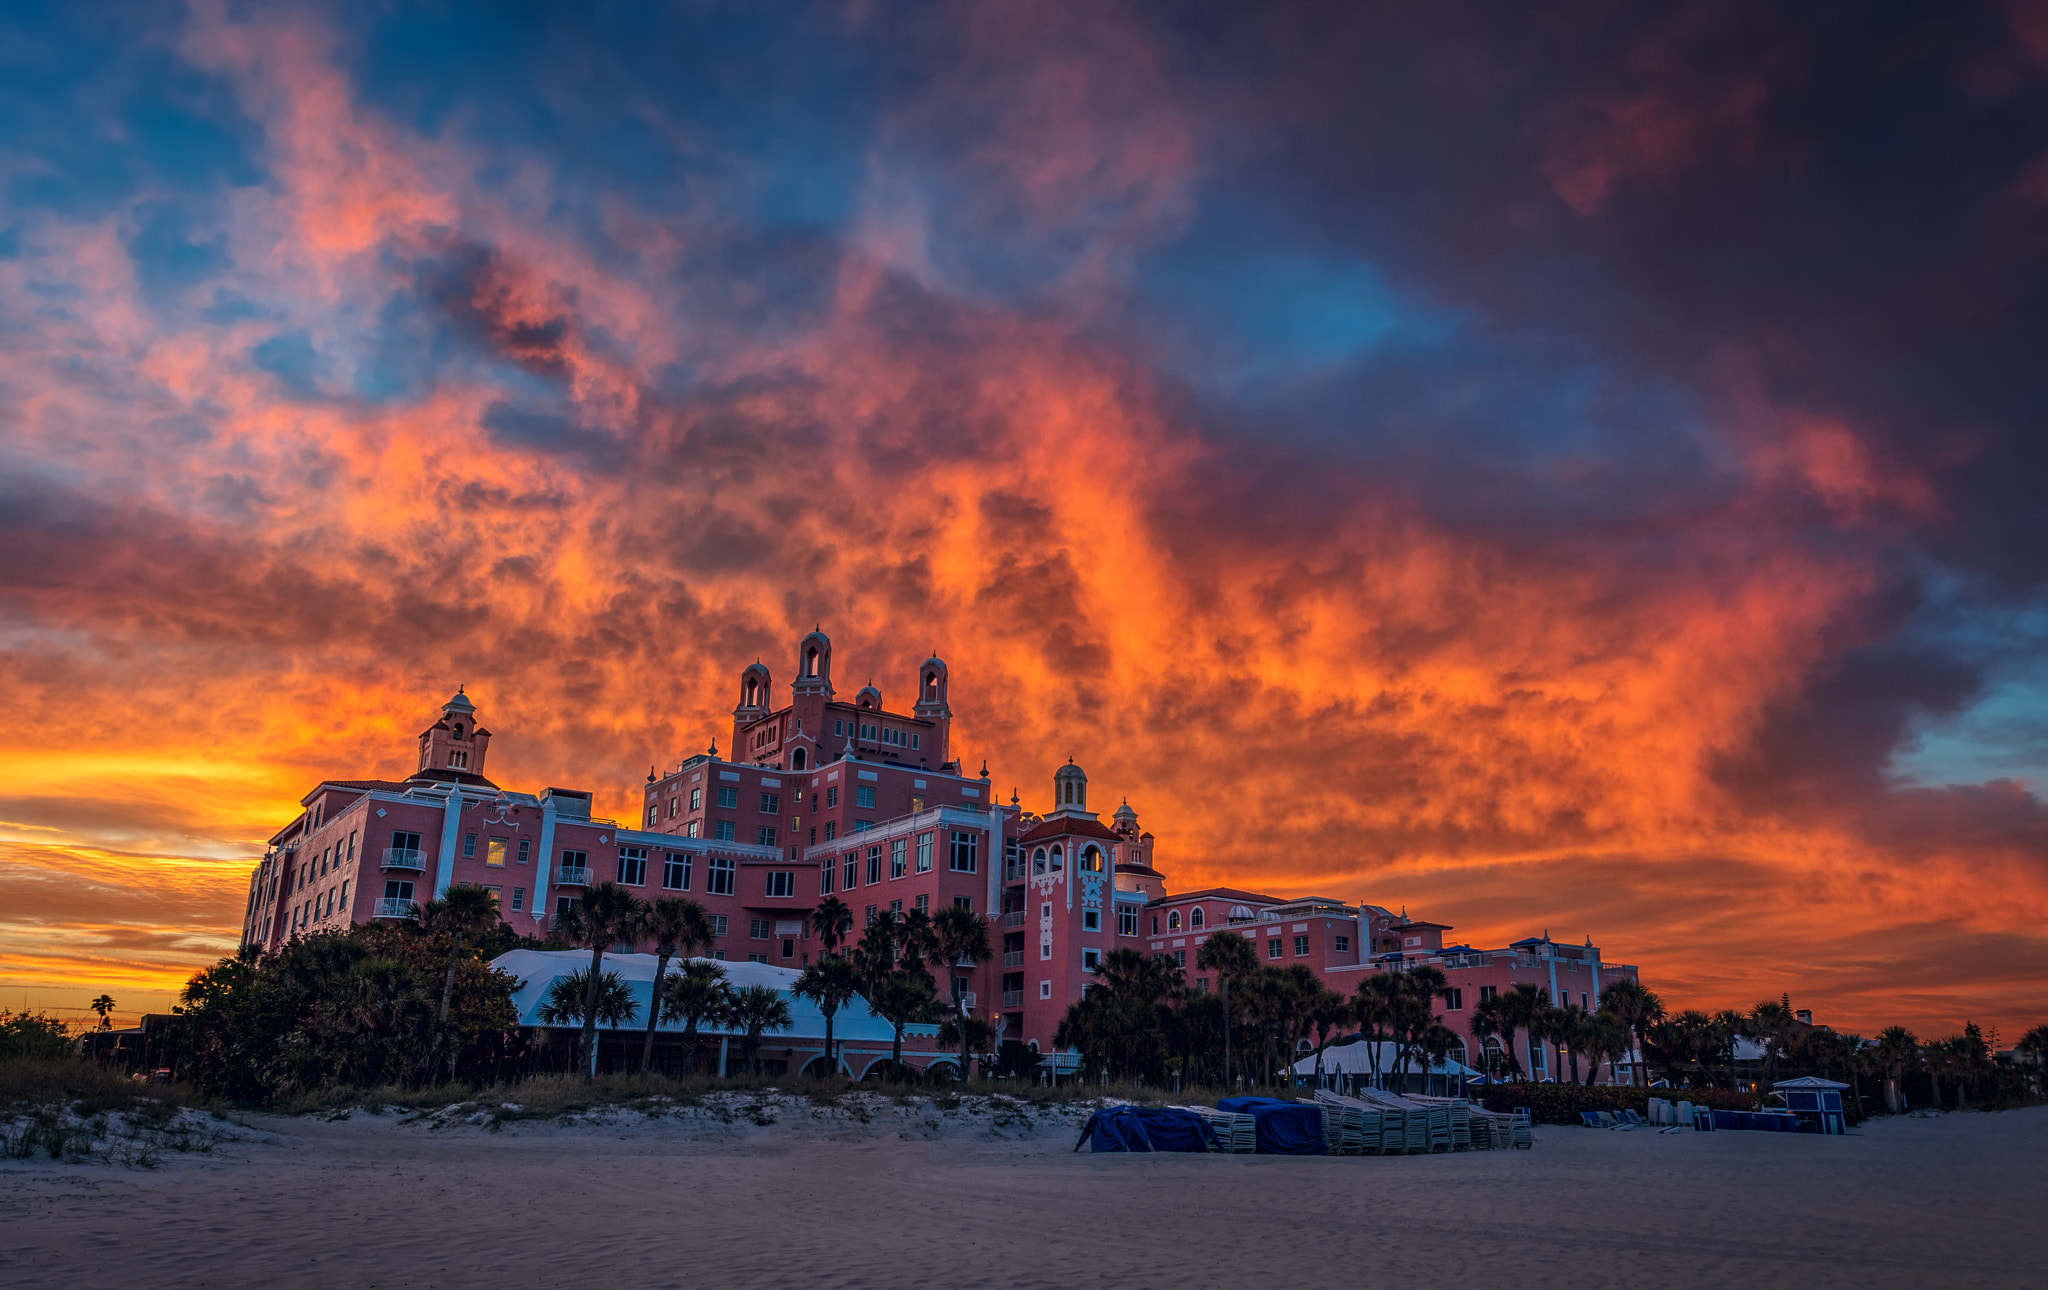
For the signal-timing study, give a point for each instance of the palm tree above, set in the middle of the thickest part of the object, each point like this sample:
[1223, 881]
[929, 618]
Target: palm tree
[831, 983]
[831, 921]
[970, 1032]
[917, 938]
[104, 1005]
[2033, 1046]
[959, 935]
[1566, 1027]
[1638, 1007]
[1772, 1023]
[462, 911]
[1231, 958]
[1486, 1024]
[1378, 1008]
[752, 1010]
[1526, 1005]
[1603, 1036]
[578, 998]
[676, 925]
[901, 998]
[607, 912]
[1328, 1013]
[695, 994]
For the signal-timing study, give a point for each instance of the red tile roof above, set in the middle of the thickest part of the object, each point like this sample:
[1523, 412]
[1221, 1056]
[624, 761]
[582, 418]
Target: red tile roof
[1220, 893]
[1070, 827]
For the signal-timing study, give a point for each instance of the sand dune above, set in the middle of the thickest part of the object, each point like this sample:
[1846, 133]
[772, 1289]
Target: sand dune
[915, 1196]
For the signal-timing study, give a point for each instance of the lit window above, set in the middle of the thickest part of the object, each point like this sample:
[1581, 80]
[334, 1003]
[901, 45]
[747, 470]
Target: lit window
[1126, 922]
[898, 850]
[1173, 920]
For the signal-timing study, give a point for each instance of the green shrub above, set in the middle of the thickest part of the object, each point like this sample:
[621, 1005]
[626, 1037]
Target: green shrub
[32, 1034]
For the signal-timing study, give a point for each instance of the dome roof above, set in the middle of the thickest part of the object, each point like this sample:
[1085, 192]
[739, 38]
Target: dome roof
[869, 697]
[460, 703]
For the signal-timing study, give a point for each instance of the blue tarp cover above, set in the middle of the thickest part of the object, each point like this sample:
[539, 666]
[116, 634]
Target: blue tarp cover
[1145, 1128]
[1284, 1128]
[1768, 1121]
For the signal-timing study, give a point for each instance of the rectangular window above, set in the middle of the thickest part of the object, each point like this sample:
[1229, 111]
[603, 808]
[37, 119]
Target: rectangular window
[718, 927]
[718, 956]
[831, 797]
[563, 904]
[757, 957]
[494, 852]
[1090, 960]
[690, 829]
[1454, 999]
[895, 906]
[963, 902]
[497, 895]
[653, 815]
[718, 882]
[1487, 992]
[870, 917]
[728, 798]
[874, 865]
[1273, 950]
[771, 803]
[469, 844]
[825, 878]
[757, 929]
[864, 796]
[1126, 922]
[831, 829]
[724, 831]
[1045, 989]
[966, 849]
[458, 760]
[696, 799]
[1091, 920]
[575, 860]
[525, 849]
[675, 871]
[924, 904]
[862, 826]
[839, 728]
[1342, 944]
[344, 893]
[924, 853]
[781, 883]
[898, 849]
[633, 866]
[351, 844]
[788, 947]
[1301, 947]
[518, 898]
[1180, 958]
[764, 835]
[852, 875]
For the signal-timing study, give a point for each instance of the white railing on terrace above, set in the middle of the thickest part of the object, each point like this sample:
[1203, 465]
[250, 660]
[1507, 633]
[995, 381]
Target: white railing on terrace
[966, 1001]
[1015, 918]
[1014, 872]
[403, 858]
[393, 907]
[1013, 998]
[1013, 958]
[573, 876]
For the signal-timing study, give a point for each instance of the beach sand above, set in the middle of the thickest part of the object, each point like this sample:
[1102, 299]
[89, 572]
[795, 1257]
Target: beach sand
[917, 1197]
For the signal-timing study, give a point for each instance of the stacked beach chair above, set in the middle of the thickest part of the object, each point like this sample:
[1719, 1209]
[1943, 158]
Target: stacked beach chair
[1423, 1129]
[1349, 1130]
[1239, 1133]
[1458, 1113]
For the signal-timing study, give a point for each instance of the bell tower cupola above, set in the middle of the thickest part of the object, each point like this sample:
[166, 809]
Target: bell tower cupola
[931, 706]
[457, 741]
[813, 666]
[1070, 791]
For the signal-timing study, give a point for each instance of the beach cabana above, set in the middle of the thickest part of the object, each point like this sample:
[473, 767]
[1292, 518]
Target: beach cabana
[1816, 1102]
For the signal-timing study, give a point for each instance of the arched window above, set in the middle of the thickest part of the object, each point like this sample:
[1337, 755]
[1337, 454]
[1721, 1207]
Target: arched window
[458, 730]
[1173, 920]
[1091, 860]
[1457, 1052]
[811, 661]
[1038, 860]
[1495, 1061]
[796, 759]
[1058, 859]
[1195, 917]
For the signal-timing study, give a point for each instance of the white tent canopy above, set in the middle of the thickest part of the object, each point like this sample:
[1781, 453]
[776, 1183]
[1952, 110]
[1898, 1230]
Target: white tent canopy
[1357, 1059]
[539, 969]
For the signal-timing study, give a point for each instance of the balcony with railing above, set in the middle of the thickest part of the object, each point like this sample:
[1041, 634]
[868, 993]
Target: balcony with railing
[1014, 918]
[1015, 872]
[1013, 958]
[1013, 998]
[574, 875]
[394, 907]
[403, 858]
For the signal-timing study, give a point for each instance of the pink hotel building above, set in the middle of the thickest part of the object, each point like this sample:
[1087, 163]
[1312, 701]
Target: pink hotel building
[823, 797]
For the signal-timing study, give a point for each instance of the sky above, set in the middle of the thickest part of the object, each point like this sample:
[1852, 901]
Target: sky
[1575, 471]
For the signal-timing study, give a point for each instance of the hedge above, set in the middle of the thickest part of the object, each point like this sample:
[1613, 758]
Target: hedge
[1561, 1103]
